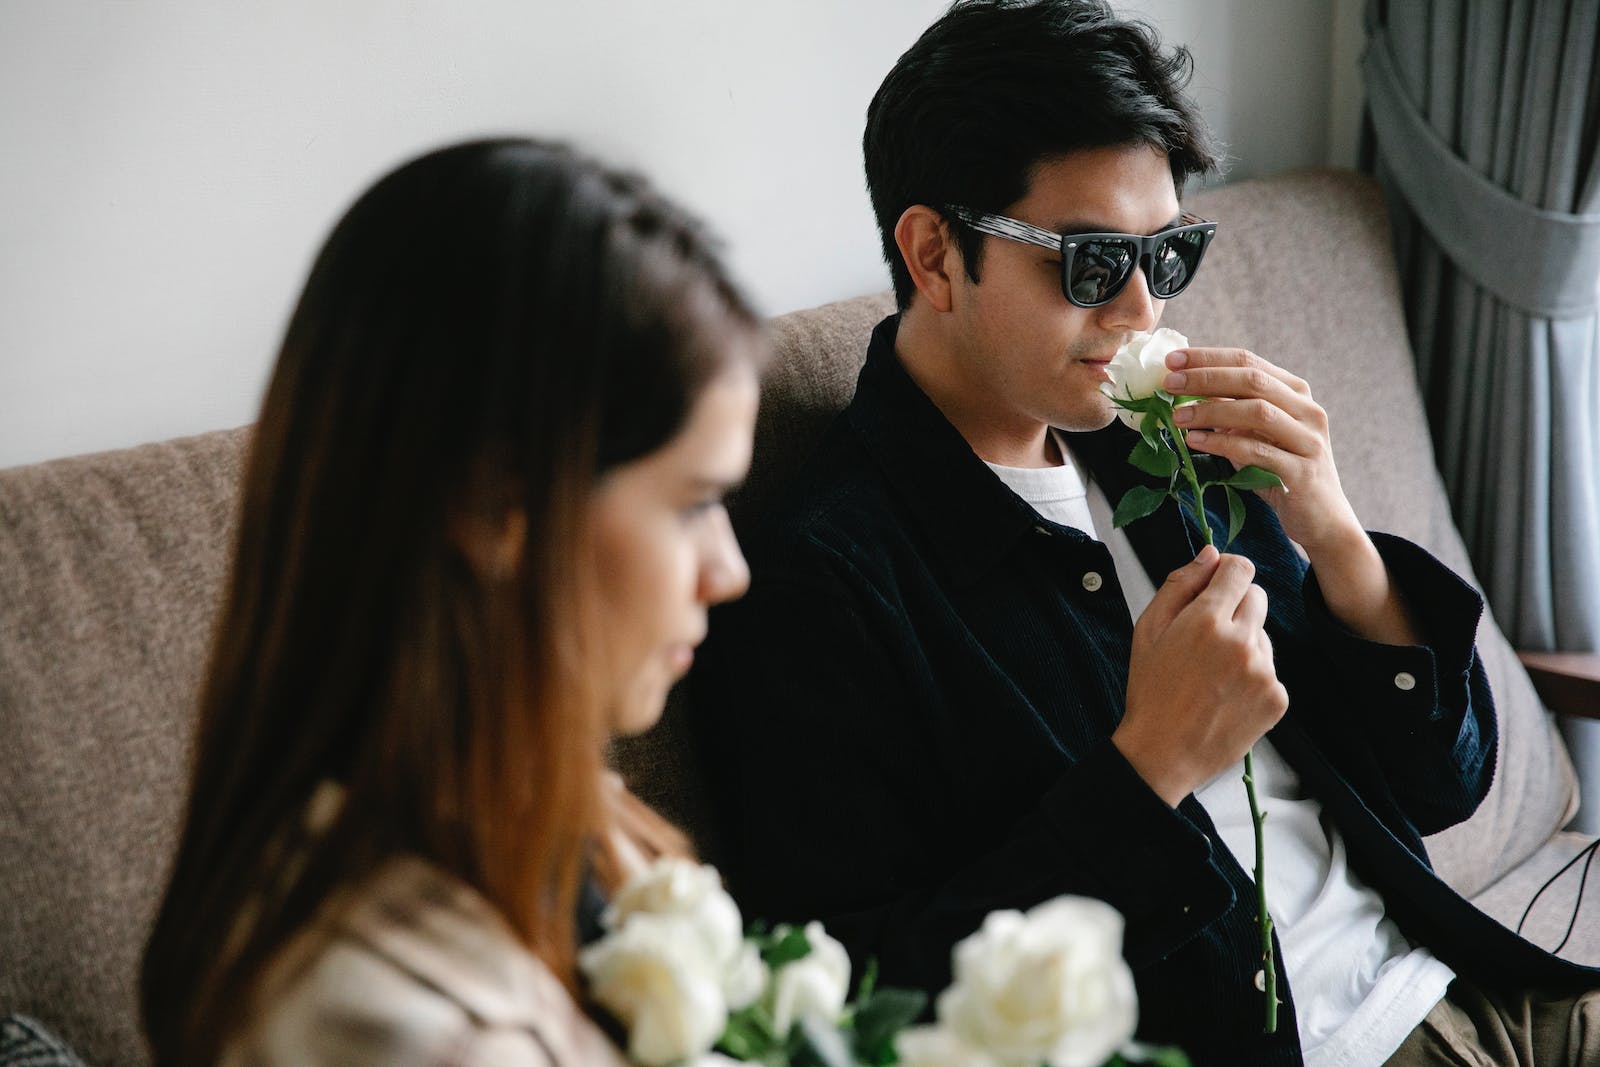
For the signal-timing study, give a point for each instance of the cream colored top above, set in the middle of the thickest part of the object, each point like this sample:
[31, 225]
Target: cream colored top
[419, 970]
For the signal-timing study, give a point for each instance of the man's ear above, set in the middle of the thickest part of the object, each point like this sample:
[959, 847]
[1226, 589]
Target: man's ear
[931, 257]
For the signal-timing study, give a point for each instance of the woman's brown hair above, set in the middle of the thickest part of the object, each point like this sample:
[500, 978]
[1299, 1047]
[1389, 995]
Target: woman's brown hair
[488, 330]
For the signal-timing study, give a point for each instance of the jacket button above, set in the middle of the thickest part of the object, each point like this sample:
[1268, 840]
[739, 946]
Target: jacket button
[1092, 581]
[1405, 682]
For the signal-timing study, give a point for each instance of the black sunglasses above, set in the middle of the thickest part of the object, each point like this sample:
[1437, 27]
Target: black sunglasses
[1096, 266]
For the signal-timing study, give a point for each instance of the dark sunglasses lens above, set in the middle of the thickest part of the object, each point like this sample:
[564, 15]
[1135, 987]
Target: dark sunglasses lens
[1173, 263]
[1099, 270]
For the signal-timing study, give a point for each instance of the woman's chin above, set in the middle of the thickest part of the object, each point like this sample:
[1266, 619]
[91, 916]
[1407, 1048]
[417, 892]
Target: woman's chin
[639, 710]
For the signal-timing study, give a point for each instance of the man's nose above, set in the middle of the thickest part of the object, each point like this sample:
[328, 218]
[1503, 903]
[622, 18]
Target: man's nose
[1135, 308]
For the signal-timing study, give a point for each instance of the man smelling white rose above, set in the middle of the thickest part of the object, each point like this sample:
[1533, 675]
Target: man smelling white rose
[938, 681]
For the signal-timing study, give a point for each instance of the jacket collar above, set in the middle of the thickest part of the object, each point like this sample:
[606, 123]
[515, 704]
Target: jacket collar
[969, 514]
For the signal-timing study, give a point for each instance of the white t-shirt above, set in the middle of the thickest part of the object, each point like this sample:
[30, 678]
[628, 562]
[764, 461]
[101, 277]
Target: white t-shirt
[1360, 987]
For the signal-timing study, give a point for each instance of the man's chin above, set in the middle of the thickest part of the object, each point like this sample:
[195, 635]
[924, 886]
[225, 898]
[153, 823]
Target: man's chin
[1086, 421]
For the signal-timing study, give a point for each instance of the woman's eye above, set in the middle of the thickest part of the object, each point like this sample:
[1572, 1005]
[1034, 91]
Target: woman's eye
[701, 507]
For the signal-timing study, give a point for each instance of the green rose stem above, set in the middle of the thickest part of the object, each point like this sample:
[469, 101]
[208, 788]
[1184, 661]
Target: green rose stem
[1257, 816]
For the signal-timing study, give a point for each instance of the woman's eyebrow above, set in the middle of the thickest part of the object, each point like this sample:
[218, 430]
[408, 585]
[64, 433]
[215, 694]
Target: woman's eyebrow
[704, 484]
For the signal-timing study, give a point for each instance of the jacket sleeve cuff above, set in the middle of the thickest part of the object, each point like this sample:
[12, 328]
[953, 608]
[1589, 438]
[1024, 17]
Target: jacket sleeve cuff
[1155, 866]
[1421, 682]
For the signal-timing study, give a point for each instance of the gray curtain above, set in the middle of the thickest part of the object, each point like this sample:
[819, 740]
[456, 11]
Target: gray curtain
[1484, 123]
[1487, 116]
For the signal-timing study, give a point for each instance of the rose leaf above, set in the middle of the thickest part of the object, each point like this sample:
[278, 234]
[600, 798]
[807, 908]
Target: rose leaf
[1136, 503]
[1235, 514]
[878, 1020]
[1150, 429]
[1255, 478]
[1153, 459]
[1128, 403]
[787, 945]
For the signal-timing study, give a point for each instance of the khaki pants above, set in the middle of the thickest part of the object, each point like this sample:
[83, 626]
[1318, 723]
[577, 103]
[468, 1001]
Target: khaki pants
[1475, 1027]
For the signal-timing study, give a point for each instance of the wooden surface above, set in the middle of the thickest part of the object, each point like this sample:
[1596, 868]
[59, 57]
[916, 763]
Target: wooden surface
[1568, 682]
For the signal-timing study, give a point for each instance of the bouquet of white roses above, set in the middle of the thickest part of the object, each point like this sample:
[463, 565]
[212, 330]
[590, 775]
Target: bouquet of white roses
[1045, 987]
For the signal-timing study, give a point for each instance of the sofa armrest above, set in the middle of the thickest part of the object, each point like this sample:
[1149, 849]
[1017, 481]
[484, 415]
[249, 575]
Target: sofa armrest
[1567, 682]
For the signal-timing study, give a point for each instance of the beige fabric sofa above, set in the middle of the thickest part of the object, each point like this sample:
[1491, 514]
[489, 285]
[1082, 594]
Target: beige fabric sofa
[110, 567]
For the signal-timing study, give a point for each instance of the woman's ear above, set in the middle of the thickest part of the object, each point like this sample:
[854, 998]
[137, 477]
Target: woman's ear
[492, 545]
[931, 257]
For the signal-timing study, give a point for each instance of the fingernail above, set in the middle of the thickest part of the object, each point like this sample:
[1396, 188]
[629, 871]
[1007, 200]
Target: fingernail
[1183, 416]
[1175, 382]
[1195, 437]
[1177, 359]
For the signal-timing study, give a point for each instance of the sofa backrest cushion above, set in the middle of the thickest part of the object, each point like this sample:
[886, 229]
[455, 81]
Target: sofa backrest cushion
[110, 569]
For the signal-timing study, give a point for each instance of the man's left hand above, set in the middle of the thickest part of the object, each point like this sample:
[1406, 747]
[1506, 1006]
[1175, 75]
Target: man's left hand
[1258, 414]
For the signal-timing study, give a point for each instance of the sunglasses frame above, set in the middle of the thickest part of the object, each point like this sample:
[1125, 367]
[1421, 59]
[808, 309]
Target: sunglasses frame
[1067, 244]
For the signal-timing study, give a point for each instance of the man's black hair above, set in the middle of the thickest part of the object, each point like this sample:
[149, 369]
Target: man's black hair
[994, 87]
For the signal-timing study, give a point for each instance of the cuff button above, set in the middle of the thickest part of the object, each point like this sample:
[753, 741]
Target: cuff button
[1405, 682]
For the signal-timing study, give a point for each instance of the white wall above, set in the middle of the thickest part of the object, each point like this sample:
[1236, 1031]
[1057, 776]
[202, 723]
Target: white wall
[1261, 74]
[168, 167]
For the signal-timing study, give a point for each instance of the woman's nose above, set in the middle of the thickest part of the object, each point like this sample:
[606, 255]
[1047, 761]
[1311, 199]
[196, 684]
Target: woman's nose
[724, 574]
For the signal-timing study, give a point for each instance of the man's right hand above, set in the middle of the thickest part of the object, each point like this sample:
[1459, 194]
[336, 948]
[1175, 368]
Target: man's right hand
[1201, 684]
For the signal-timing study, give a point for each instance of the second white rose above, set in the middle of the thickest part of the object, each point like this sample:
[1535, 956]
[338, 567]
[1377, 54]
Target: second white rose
[1046, 986]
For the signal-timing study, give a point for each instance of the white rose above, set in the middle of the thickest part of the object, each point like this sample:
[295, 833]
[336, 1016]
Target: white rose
[694, 892]
[656, 975]
[936, 1046]
[745, 979]
[1050, 985]
[1139, 368]
[814, 985]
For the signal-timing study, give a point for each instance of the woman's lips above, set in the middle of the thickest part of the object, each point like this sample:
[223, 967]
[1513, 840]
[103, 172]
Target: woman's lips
[681, 657]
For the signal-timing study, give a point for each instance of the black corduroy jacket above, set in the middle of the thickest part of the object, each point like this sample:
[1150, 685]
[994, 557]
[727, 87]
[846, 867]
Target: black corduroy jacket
[906, 725]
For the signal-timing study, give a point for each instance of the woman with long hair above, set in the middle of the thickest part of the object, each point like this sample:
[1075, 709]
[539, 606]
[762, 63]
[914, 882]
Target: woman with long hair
[481, 527]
